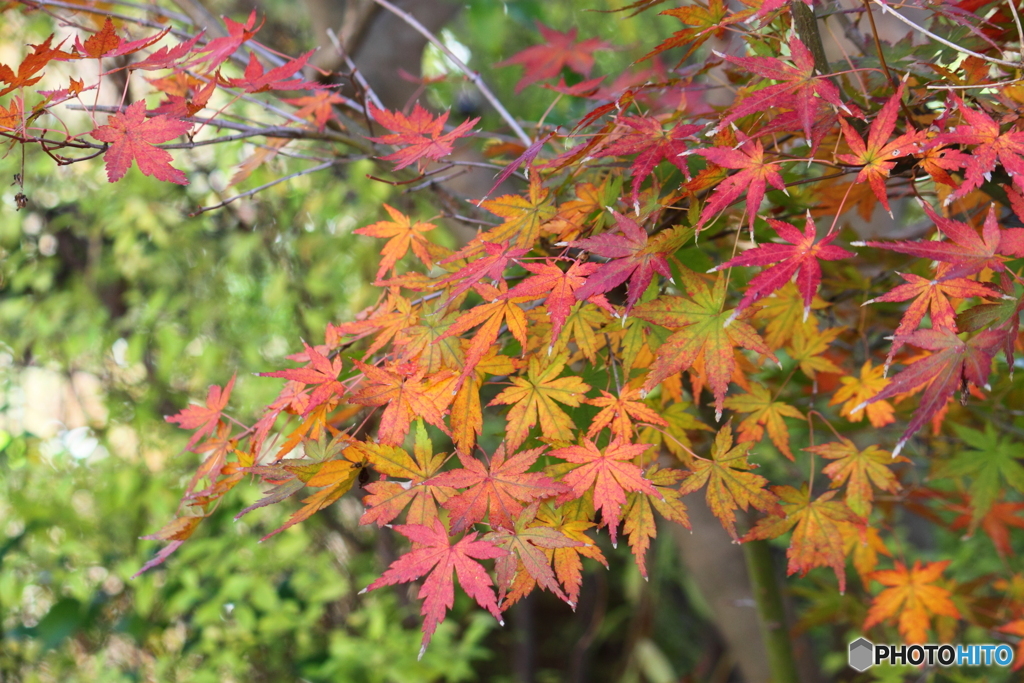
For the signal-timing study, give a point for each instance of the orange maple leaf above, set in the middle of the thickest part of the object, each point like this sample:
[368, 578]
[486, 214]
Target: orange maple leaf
[765, 412]
[420, 135]
[858, 469]
[912, 599]
[618, 412]
[405, 393]
[856, 390]
[401, 234]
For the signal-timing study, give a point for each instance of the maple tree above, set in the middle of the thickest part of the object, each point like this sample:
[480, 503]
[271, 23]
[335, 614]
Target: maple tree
[548, 375]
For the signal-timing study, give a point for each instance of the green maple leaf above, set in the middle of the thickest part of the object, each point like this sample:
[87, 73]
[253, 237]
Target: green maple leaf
[992, 462]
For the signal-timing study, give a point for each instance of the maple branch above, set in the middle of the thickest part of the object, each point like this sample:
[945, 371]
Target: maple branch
[940, 39]
[771, 612]
[249, 193]
[473, 76]
[806, 25]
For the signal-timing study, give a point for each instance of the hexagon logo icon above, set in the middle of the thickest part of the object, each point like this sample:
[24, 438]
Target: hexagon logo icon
[862, 653]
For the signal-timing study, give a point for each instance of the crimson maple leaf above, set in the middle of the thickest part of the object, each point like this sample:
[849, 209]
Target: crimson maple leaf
[992, 148]
[497, 491]
[800, 256]
[652, 144]
[132, 138]
[420, 134]
[968, 253]
[610, 473]
[168, 57]
[255, 80]
[752, 180]
[799, 88]
[433, 554]
[204, 419]
[559, 50]
[954, 365]
[321, 372]
[633, 260]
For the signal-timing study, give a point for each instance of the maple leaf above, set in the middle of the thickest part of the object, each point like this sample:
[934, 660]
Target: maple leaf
[799, 257]
[13, 119]
[528, 548]
[647, 138]
[856, 391]
[752, 180]
[387, 499]
[204, 419]
[995, 523]
[556, 287]
[254, 79]
[218, 50]
[558, 51]
[968, 253]
[633, 260]
[466, 417]
[609, 474]
[106, 43]
[954, 365]
[639, 525]
[729, 482]
[799, 88]
[765, 412]
[992, 148]
[877, 157]
[41, 55]
[320, 372]
[523, 218]
[817, 526]
[168, 57]
[707, 22]
[401, 234]
[990, 462]
[535, 399]
[177, 531]
[566, 560]
[701, 331]
[675, 438]
[808, 344]
[433, 555]
[912, 598]
[491, 265]
[618, 412]
[406, 393]
[319, 106]
[420, 134]
[133, 138]
[496, 491]
[859, 470]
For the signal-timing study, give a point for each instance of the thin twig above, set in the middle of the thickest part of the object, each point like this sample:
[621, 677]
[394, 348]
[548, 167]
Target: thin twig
[254, 190]
[962, 50]
[474, 77]
[1020, 29]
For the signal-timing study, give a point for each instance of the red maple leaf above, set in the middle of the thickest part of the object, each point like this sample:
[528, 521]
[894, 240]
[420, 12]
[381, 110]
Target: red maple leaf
[610, 473]
[168, 57]
[751, 181]
[255, 80]
[798, 89]
[433, 554]
[218, 50]
[319, 106]
[799, 257]
[132, 138]
[321, 372]
[204, 419]
[631, 260]
[968, 253]
[878, 156]
[420, 134]
[557, 287]
[559, 50]
[497, 491]
[491, 265]
[992, 148]
[954, 365]
[647, 138]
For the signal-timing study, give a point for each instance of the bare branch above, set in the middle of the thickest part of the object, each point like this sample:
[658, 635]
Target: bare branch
[254, 190]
